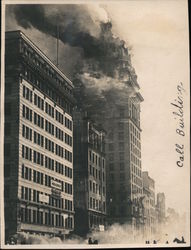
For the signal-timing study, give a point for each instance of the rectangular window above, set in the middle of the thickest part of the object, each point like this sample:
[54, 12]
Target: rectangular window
[103, 176]
[49, 145]
[59, 117]
[27, 93]
[96, 205]
[27, 132]
[59, 134]
[93, 187]
[49, 110]
[90, 202]
[26, 193]
[99, 190]
[90, 185]
[99, 175]
[46, 219]
[38, 120]
[34, 195]
[49, 163]
[38, 158]
[22, 192]
[27, 113]
[90, 155]
[26, 153]
[104, 206]
[41, 218]
[49, 127]
[93, 171]
[34, 216]
[52, 219]
[68, 123]
[39, 102]
[38, 139]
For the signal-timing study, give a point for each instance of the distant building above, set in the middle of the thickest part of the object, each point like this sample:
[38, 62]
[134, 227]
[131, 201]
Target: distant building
[172, 215]
[89, 175]
[149, 204]
[160, 207]
[38, 151]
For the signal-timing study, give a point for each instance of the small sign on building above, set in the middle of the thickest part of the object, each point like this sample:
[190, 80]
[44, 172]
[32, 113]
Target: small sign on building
[56, 193]
[56, 185]
[44, 198]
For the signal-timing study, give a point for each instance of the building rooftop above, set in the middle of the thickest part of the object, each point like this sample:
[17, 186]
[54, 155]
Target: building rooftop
[20, 34]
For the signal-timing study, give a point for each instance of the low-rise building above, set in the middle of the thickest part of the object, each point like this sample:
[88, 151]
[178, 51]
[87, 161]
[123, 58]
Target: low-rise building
[89, 175]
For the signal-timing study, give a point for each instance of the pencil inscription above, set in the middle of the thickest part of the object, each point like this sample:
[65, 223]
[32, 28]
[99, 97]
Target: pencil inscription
[178, 113]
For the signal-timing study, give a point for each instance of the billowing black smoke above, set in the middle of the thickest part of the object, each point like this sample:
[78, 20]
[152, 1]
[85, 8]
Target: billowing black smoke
[78, 29]
[66, 18]
[105, 65]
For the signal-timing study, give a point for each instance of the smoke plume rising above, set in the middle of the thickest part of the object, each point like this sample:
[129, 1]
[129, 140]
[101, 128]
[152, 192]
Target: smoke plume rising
[78, 27]
[101, 62]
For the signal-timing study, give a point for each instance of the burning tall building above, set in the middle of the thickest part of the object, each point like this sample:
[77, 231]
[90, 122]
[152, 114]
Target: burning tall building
[38, 150]
[123, 157]
[112, 98]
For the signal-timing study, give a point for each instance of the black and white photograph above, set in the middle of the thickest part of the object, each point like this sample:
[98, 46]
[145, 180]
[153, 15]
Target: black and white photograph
[95, 124]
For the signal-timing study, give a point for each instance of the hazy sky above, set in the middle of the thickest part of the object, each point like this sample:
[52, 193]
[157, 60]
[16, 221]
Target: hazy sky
[158, 33]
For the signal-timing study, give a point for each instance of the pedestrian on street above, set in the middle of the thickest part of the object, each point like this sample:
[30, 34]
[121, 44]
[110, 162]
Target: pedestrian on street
[90, 242]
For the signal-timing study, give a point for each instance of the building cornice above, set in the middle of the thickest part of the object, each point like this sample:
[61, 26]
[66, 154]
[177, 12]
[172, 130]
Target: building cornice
[20, 34]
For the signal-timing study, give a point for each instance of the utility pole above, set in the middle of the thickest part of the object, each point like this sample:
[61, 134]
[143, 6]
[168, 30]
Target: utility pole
[57, 45]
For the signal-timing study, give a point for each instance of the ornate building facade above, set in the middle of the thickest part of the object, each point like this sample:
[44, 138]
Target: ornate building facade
[123, 149]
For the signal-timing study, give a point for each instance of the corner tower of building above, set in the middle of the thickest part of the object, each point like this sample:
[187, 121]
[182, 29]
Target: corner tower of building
[123, 153]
